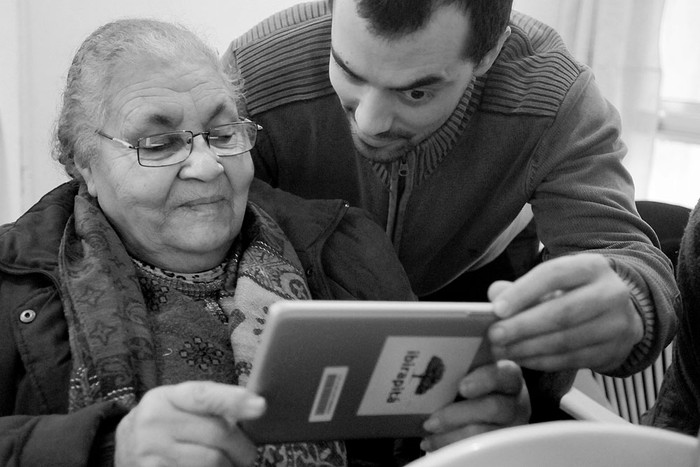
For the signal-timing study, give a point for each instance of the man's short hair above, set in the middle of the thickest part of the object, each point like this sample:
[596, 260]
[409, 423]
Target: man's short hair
[395, 18]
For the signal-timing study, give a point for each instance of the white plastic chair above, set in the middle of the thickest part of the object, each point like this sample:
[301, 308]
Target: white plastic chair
[625, 399]
[568, 443]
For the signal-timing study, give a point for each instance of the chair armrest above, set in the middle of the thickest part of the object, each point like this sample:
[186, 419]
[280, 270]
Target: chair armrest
[582, 407]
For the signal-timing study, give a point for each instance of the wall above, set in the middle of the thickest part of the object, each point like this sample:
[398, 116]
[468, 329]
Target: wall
[10, 187]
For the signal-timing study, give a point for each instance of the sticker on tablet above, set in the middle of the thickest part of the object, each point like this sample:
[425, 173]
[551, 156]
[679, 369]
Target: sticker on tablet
[417, 375]
[328, 393]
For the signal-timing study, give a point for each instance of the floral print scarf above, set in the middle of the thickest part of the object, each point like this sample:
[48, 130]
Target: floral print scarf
[112, 343]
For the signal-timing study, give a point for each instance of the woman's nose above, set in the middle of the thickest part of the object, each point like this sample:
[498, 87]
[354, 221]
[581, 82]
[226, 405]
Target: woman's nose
[203, 163]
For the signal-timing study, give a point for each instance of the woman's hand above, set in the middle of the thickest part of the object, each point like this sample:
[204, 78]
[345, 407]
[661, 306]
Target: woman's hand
[495, 396]
[189, 424]
[568, 313]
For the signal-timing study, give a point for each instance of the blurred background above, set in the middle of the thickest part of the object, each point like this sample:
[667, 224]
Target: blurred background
[645, 54]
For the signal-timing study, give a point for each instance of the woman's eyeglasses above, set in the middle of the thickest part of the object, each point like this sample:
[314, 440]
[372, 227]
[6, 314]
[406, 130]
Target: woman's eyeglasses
[174, 147]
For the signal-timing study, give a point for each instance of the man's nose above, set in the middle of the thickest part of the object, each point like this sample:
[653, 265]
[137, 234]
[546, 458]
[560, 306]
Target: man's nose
[374, 112]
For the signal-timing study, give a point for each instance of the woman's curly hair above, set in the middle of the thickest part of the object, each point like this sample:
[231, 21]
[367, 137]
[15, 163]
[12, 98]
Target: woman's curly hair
[89, 83]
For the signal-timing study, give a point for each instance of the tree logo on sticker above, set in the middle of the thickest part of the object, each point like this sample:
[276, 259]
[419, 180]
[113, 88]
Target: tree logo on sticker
[431, 376]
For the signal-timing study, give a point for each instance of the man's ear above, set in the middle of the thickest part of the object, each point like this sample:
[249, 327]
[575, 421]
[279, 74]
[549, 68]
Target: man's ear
[490, 57]
[85, 169]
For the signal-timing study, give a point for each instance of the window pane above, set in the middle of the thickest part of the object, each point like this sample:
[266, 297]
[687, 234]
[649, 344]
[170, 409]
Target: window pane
[675, 173]
[675, 167]
[680, 51]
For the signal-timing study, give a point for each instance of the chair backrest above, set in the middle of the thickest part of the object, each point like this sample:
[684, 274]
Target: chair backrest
[668, 221]
[632, 396]
[574, 443]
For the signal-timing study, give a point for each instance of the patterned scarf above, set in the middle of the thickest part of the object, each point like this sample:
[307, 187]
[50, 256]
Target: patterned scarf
[116, 355]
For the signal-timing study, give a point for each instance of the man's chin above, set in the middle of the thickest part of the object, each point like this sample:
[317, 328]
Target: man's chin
[383, 155]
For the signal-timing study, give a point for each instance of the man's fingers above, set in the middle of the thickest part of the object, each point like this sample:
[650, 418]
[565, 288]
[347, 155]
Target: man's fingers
[494, 409]
[567, 311]
[595, 357]
[497, 288]
[470, 417]
[503, 376]
[546, 279]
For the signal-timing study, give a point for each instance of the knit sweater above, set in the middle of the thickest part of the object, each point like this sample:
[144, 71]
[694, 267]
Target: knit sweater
[534, 133]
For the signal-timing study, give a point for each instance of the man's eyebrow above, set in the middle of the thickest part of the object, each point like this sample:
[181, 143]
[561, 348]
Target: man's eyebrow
[419, 83]
[342, 65]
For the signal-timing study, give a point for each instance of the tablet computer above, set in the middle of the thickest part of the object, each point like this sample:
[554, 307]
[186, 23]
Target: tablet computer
[362, 369]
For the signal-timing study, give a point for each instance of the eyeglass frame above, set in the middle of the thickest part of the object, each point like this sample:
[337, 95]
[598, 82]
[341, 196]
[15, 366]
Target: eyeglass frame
[193, 135]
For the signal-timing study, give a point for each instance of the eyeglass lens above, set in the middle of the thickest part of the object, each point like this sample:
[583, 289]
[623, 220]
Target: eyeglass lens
[174, 147]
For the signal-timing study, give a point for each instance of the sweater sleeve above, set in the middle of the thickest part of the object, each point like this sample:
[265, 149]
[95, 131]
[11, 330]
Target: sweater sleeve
[583, 201]
[83, 438]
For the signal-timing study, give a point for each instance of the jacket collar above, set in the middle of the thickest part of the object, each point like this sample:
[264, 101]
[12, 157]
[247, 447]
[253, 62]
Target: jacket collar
[31, 243]
[305, 222]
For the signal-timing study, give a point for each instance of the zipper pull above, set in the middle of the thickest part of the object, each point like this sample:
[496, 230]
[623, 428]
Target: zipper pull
[403, 168]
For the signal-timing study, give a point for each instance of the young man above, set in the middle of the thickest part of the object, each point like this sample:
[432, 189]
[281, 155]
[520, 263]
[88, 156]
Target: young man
[457, 124]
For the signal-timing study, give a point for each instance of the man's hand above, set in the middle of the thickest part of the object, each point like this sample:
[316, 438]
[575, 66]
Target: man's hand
[568, 313]
[495, 396]
[192, 423]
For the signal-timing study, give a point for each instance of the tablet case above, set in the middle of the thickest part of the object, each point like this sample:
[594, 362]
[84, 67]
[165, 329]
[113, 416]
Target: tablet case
[362, 369]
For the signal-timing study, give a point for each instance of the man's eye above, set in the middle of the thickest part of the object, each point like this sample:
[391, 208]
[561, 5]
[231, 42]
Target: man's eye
[416, 95]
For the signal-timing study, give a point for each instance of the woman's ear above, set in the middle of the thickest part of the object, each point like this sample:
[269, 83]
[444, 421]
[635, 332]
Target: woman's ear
[85, 170]
[490, 57]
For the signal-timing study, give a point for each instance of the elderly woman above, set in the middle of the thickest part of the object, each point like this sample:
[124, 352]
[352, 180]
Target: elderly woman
[132, 298]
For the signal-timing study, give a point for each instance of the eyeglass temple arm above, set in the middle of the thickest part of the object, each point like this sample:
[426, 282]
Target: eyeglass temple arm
[116, 140]
[257, 125]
